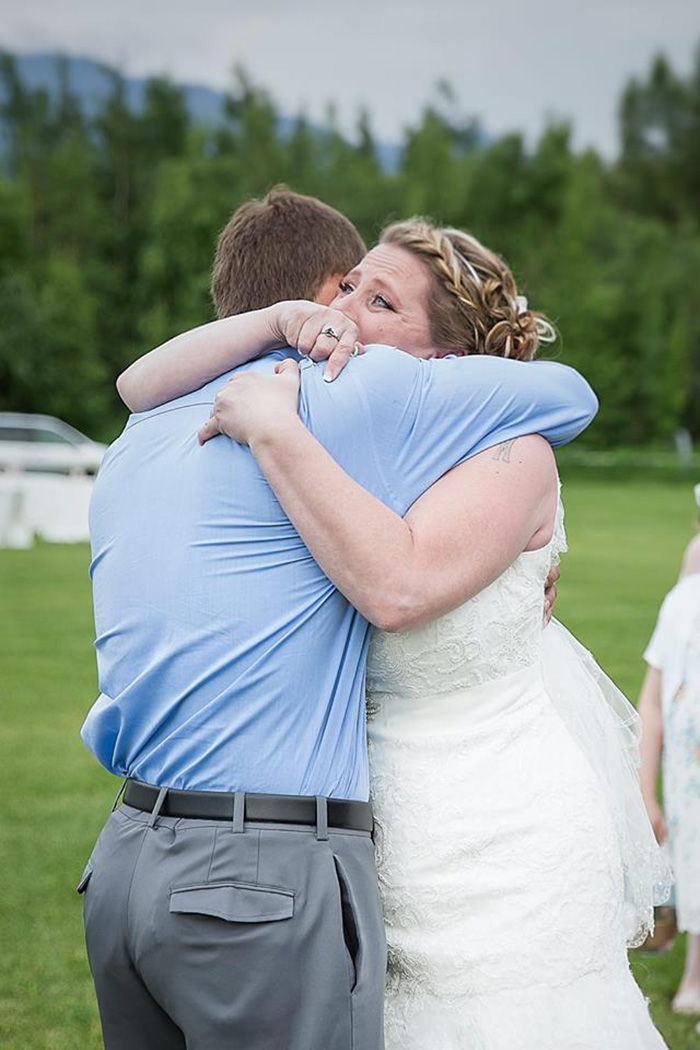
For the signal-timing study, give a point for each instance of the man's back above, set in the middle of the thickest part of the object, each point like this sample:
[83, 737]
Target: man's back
[227, 659]
[208, 603]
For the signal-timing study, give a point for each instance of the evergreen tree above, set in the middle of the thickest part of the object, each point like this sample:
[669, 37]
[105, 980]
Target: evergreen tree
[108, 223]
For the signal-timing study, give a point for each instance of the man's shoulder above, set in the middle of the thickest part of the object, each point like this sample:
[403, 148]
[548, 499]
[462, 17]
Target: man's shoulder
[379, 369]
[387, 372]
[378, 357]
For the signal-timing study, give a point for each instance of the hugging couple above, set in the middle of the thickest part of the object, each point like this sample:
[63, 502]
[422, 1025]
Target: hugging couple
[355, 756]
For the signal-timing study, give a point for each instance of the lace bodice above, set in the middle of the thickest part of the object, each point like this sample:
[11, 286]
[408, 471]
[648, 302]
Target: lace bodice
[492, 635]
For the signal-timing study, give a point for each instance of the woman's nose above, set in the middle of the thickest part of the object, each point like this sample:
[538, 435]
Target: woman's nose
[346, 304]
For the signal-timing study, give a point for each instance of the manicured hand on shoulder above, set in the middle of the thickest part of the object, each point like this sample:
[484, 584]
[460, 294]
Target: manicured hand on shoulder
[320, 333]
[252, 405]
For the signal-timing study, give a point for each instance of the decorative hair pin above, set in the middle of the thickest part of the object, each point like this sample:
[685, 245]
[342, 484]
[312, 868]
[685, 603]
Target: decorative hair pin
[520, 304]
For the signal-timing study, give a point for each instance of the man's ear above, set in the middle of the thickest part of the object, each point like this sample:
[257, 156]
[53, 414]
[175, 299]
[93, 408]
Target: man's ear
[329, 289]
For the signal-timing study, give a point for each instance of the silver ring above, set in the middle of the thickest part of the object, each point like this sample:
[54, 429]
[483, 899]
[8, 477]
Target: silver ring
[331, 332]
[355, 350]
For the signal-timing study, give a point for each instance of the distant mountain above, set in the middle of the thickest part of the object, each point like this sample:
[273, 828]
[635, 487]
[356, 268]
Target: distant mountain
[91, 82]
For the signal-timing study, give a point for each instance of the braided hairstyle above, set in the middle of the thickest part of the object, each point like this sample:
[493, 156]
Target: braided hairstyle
[473, 307]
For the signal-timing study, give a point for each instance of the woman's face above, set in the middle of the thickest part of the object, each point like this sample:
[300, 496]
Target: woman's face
[386, 296]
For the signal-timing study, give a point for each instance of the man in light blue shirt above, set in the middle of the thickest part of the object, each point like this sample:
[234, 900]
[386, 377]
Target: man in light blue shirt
[232, 900]
[211, 614]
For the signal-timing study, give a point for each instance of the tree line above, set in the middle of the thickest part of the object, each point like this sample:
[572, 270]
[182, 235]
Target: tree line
[108, 223]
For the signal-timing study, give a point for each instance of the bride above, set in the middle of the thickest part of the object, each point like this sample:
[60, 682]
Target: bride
[515, 858]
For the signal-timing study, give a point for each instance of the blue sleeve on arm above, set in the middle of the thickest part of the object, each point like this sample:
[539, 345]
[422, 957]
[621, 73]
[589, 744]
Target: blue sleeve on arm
[421, 418]
[529, 397]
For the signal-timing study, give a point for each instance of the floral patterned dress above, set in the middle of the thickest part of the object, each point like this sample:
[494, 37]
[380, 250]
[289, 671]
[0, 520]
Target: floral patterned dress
[675, 651]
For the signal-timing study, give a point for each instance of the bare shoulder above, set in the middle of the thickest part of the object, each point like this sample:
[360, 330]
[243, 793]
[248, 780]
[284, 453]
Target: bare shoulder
[531, 449]
[532, 480]
[524, 467]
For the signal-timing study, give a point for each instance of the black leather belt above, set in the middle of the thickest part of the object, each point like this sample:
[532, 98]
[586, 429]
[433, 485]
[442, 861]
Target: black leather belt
[272, 809]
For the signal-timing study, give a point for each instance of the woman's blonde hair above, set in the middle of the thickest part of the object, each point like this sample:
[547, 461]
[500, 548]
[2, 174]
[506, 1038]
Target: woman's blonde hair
[474, 307]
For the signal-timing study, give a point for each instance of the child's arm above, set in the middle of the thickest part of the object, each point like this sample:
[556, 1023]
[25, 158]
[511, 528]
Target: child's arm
[652, 745]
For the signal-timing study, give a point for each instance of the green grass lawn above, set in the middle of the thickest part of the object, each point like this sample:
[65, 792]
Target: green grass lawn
[626, 543]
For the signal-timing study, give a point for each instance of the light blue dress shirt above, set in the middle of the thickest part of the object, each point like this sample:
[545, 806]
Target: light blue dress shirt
[227, 660]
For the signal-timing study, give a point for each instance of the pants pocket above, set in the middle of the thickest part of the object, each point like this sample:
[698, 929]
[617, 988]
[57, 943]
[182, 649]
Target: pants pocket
[348, 910]
[84, 878]
[234, 901]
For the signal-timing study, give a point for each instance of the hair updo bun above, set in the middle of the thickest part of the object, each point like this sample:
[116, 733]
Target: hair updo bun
[475, 308]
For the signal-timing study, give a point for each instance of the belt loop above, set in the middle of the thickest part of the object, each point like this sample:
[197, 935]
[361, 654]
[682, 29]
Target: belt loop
[157, 808]
[321, 818]
[239, 811]
[122, 789]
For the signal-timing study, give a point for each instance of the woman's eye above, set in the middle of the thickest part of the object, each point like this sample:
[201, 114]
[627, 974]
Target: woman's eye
[384, 303]
[345, 287]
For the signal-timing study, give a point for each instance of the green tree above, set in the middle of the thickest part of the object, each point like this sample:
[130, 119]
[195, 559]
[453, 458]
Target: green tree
[659, 171]
[108, 224]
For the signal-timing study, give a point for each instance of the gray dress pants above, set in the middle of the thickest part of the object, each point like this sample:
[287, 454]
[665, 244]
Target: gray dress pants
[202, 937]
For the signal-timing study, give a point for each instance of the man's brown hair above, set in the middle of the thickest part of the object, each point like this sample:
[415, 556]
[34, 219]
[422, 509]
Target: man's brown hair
[284, 246]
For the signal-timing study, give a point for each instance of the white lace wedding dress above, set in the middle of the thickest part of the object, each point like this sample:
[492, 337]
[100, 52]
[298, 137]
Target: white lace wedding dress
[499, 862]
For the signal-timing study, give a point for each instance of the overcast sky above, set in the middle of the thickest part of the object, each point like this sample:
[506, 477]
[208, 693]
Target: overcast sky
[512, 63]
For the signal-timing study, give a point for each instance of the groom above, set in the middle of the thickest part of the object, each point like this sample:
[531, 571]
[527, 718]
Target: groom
[232, 900]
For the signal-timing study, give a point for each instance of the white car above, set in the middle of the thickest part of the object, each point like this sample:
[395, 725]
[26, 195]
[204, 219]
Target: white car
[47, 444]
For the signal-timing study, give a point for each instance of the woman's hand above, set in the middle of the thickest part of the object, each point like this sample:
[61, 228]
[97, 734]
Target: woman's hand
[657, 818]
[550, 593]
[320, 333]
[251, 405]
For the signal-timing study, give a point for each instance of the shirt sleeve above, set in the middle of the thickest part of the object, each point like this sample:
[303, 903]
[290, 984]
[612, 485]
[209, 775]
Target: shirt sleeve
[421, 418]
[656, 652]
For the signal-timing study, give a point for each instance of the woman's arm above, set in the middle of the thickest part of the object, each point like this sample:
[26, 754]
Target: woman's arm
[650, 711]
[194, 358]
[455, 540]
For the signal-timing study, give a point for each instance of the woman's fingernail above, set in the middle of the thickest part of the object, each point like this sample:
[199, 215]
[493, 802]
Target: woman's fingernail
[327, 378]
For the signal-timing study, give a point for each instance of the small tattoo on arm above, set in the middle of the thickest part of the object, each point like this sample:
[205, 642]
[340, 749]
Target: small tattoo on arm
[503, 451]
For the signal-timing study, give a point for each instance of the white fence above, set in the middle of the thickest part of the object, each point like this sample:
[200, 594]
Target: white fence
[53, 507]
